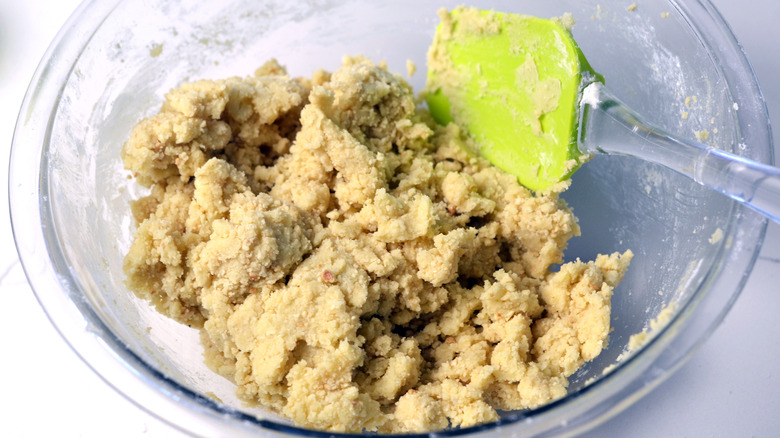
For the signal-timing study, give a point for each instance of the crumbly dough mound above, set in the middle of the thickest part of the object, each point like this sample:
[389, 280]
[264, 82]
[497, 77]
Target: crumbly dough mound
[351, 266]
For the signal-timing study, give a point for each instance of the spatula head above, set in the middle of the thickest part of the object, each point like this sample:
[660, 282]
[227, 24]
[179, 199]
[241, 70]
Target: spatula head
[513, 81]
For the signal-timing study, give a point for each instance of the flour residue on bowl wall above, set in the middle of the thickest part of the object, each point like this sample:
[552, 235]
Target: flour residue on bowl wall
[698, 109]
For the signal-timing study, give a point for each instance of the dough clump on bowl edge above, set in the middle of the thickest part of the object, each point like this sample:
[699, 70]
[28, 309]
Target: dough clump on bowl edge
[351, 267]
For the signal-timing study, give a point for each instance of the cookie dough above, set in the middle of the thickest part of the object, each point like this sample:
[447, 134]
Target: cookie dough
[349, 264]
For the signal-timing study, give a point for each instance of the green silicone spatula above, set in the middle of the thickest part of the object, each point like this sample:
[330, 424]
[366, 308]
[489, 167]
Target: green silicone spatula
[513, 81]
[535, 108]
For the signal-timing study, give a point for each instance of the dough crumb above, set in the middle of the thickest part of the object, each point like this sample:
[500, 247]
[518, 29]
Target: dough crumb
[411, 68]
[632, 7]
[663, 318]
[702, 135]
[598, 13]
[566, 20]
[716, 236]
[155, 50]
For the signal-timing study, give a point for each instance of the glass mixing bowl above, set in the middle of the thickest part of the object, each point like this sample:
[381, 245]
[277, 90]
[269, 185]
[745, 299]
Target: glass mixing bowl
[675, 62]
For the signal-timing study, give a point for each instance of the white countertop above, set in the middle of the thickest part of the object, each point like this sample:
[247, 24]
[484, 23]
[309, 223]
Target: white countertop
[730, 387]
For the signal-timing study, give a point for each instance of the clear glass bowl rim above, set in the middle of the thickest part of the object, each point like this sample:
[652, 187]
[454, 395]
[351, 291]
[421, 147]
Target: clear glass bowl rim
[56, 289]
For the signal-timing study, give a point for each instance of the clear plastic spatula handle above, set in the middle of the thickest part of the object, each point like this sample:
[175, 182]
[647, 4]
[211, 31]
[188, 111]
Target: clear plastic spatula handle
[608, 126]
